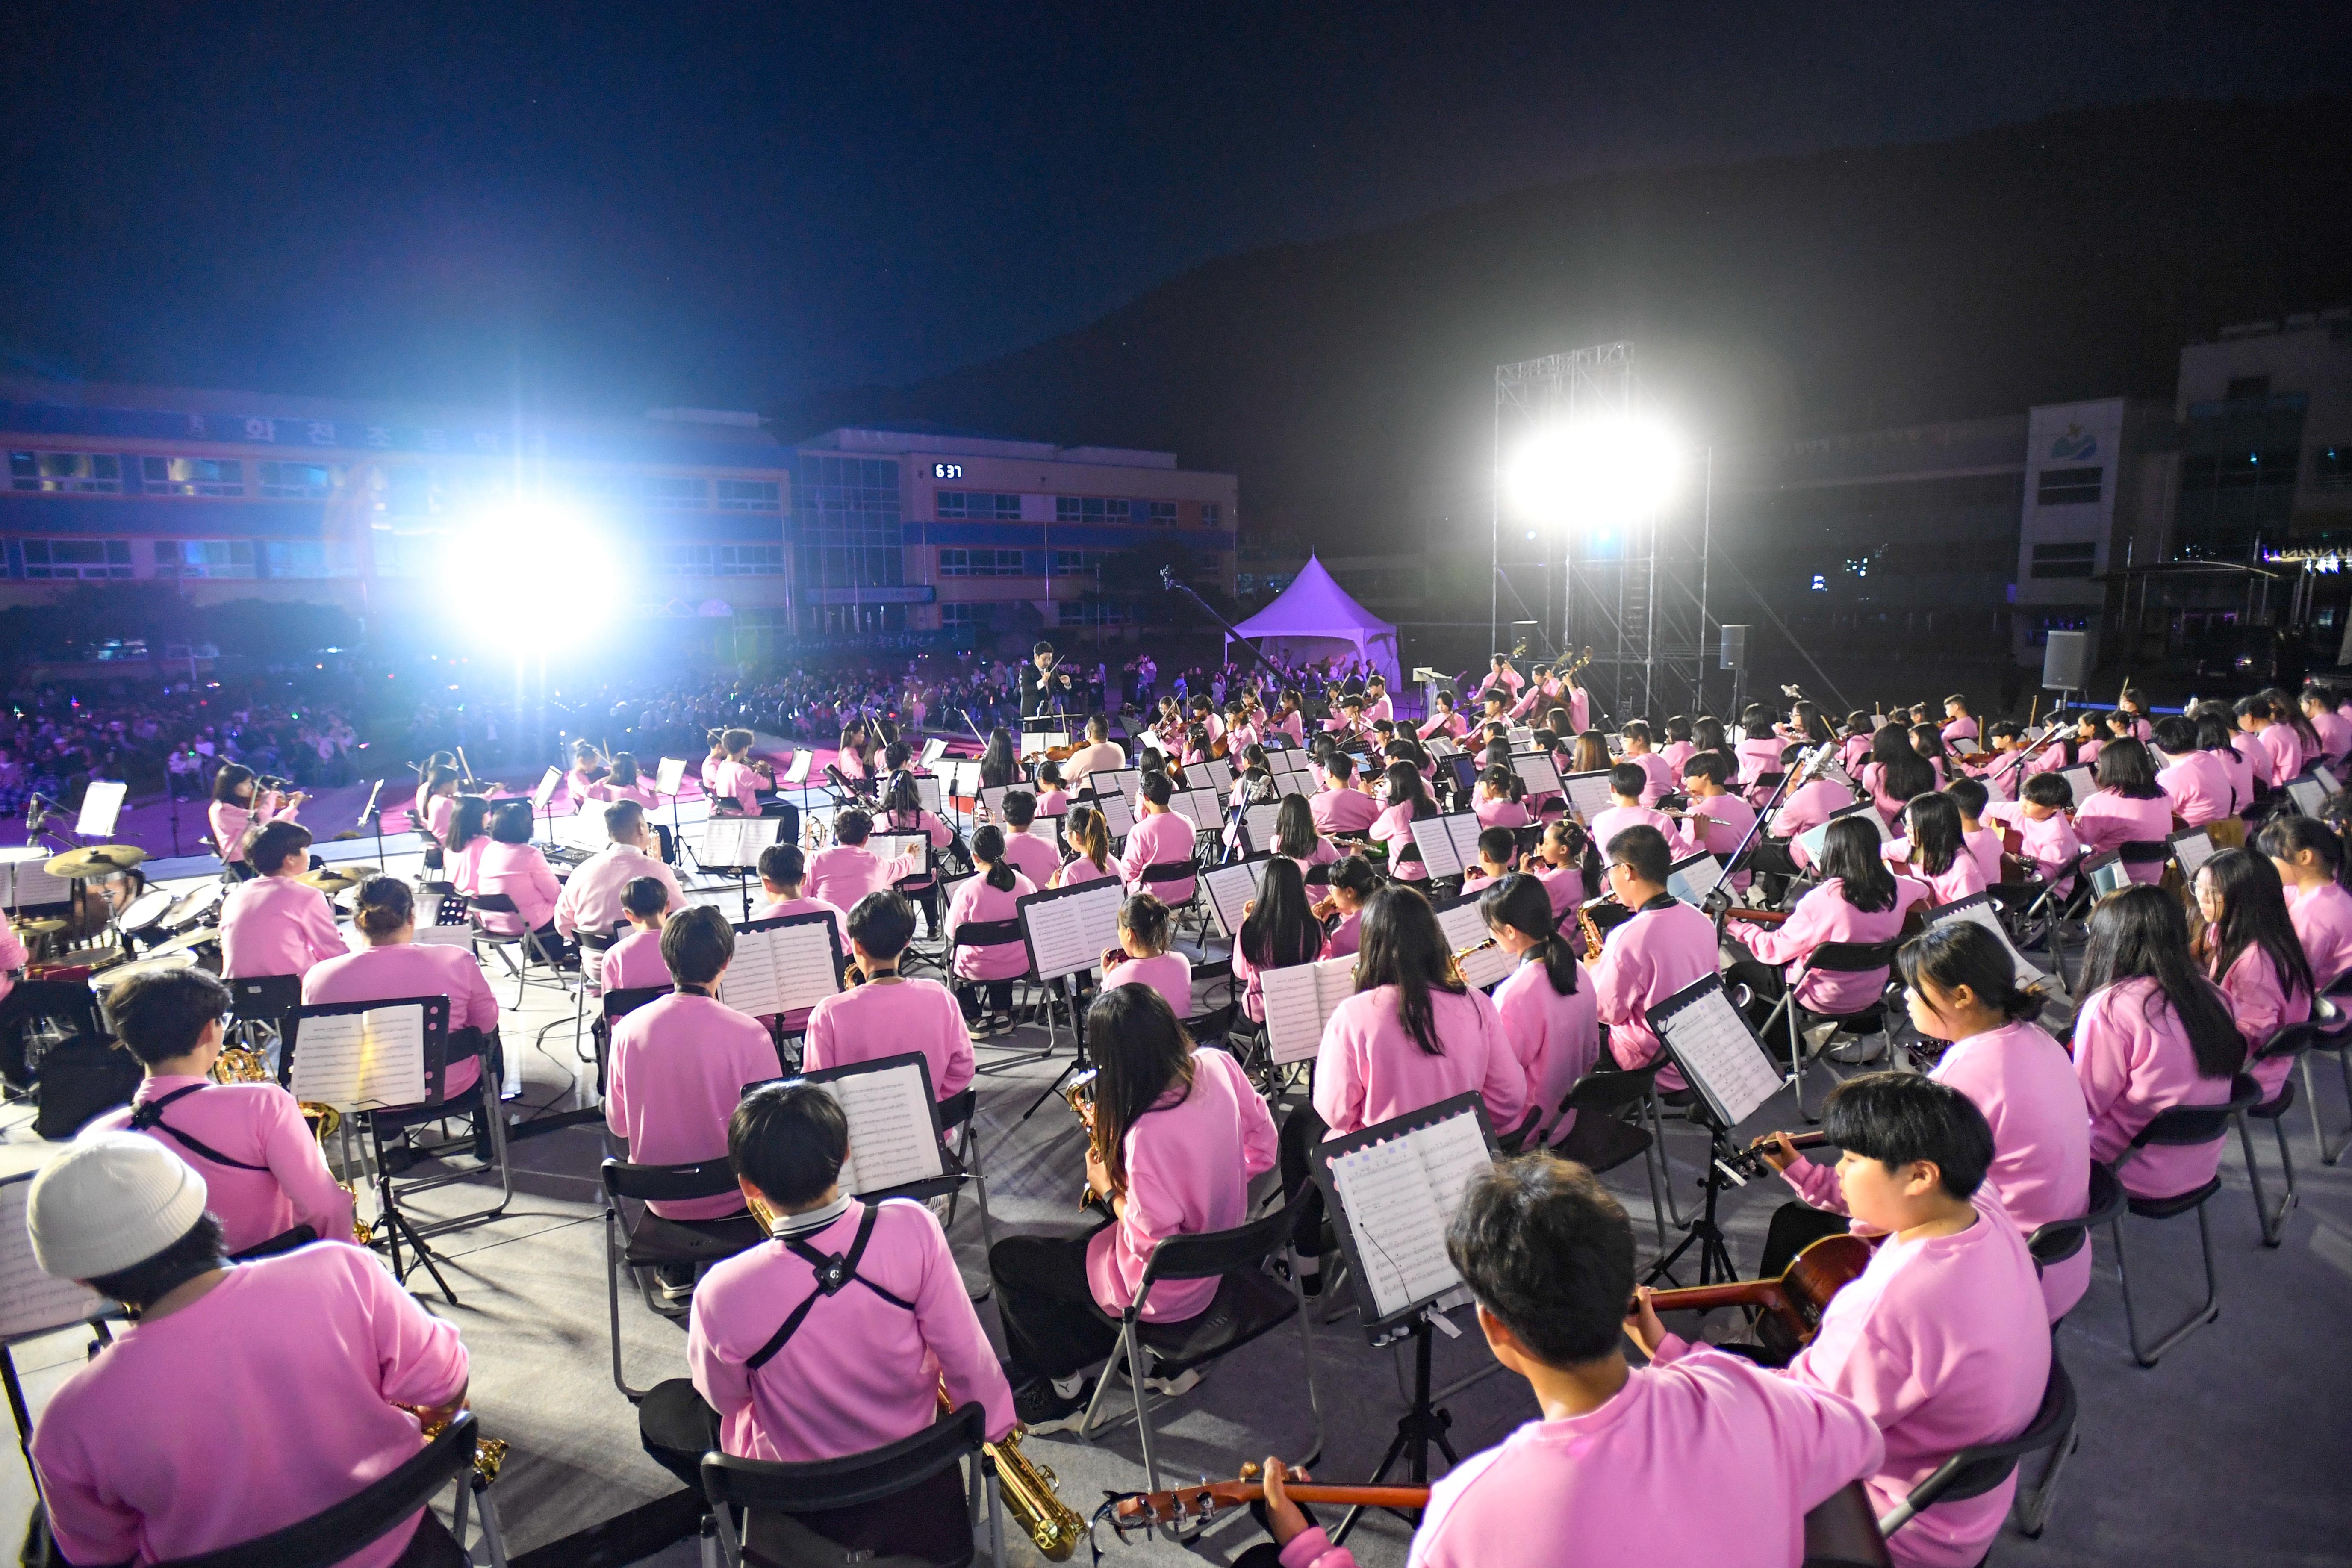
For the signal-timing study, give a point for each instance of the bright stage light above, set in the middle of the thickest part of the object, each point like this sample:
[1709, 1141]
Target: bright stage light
[1595, 472]
[536, 576]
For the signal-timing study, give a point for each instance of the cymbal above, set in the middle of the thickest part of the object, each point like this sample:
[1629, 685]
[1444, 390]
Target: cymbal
[187, 942]
[97, 860]
[335, 879]
[48, 926]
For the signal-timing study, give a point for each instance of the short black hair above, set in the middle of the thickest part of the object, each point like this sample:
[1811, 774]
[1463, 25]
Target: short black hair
[646, 896]
[1339, 766]
[1496, 844]
[788, 1139]
[1643, 850]
[2175, 734]
[1628, 778]
[1708, 765]
[159, 1016]
[1896, 1118]
[510, 822]
[272, 844]
[1547, 1250]
[853, 826]
[2047, 789]
[1156, 789]
[622, 817]
[1041, 649]
[1019, 807]
[149, 1280]
[783, 864]
[1969, 795]
[696, 944]
[883, 923]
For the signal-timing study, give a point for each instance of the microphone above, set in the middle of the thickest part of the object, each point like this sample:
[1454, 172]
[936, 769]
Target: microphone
[37, 814]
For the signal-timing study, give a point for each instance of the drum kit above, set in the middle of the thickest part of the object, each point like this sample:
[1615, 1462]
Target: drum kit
[111, 915]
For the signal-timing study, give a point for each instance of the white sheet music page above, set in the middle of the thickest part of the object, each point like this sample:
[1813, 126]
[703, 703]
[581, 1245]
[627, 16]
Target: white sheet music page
[1536, 771]
[927, 791]
[1463, 829]
[1118, 815]
[891, 1139]
[1258, 821]
[544, 791]
[1399, 1197]
[1976, 909]
[361, 1061]
[1220, 773]
[1069, 932]
[32, 1301]
[1718, 1049]
[1299, 1000]
[1587, 794]
[786, 970]
[671, 775]
[1436, 845]
[1229, 888]
[101, 803]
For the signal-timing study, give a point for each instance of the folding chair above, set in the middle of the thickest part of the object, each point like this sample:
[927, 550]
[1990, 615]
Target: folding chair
[1830, 958]
[652, 1241]
[1842, 1532]
[259, 1004]
[757, 1487]
[2286, 1045]
[1000, 933]
[1979, 1468]
[332, 1535]
[1603, 1139]
[527, 940]
[1250, 1302]
[2335, 1041]
[2062, 1238]
[956, 1112]
[617, 1005]
[2180, 1126]
[1162, 874]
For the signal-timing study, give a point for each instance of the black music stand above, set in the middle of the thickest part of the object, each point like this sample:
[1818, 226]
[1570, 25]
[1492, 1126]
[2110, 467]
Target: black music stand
[948, 1180]
[840, 960]
[1706, 1057]
[1020, 909]
[394, 1226]
[1423, 1425]
[74, 1304]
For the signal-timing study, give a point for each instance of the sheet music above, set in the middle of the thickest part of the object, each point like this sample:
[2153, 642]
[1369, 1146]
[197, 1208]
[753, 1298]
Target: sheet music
[1536, 771]
[1033, 742]
[32, 1301]
[1815, 836]
[101, 803]
[933, 750]
[1462, 830]
[31, 885]
[361, 1061]
[1299, 1000]
[1120, 782]
[785, 969]
[544, 791]
[890, 846]
[1439, 748]
[1522, 737]
[444, 936]
[2326, 779]
[1976, 909]
[733, 841]
[798, 772]
[1719, 1054]
[1464, 926]
[927, 791]
[2192, 850]
[1068, 931]
[1437, 849]
[893, 1141]
[585, 828]
[1691, 880]
[1587, 794]
[2082, 780]
[1220, 772]
[671, 776]
[1257, 822]
[992, 798]
[2308, 797]
[1398, 1197]
[1118, 815]
[1187, 804]
[1229, 887]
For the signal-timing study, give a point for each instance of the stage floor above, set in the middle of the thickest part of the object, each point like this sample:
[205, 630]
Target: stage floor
[2232, 1449]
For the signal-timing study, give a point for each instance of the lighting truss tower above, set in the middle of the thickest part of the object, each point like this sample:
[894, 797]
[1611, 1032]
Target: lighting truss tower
[1635, 593]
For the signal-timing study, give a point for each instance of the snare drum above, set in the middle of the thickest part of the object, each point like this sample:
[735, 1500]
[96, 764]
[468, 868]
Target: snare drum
[194, 908]
[145, 913]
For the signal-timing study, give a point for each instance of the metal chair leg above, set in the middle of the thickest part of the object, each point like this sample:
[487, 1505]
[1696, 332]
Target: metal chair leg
[493, 1537]
[2327, 1157]
[2274, 1223]
[2033, 1508]
[2209, 1311]
[1307, 1351]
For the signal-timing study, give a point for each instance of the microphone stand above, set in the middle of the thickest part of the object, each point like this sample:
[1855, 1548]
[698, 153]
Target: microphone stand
[371, 815]
[1756, 828]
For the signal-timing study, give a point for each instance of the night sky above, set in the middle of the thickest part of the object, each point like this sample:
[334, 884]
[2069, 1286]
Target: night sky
[735, 204]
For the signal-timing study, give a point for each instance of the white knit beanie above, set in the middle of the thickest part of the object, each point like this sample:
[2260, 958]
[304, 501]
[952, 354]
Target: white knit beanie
[111, 1200]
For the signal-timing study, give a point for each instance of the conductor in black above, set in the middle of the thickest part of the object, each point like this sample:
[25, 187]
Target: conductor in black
[1044, 688]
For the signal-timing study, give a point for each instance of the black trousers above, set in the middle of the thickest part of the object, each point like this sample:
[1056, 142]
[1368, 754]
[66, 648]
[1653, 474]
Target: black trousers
[925, 1523]
[986, 996]
[1768, 981]
[1052, 1327]
[1301, 1131]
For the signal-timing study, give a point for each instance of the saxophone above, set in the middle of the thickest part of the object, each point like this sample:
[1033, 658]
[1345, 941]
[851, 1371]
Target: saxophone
[1080, 1093]
[1593, 943]
[235, 1064]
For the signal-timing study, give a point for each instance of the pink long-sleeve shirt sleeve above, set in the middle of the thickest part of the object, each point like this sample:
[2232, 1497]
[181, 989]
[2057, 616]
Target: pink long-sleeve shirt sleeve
[2323, 920]
[1370, 1069]
[2262, 1007]
[256, 1124]
[2132, 1057]
[275, 925]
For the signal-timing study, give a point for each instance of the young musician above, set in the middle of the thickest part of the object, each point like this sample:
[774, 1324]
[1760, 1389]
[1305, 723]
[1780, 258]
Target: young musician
[2152, 1032]
[1341, 810]
[239, 804]
[1936, 850]
[1929, 742]
[1663, 947]
[1160, 837]
[1052, 800]
[1715, 820]
[624, 783]
[1143, 957]
[513, 865]
[783, 872]
[1278, 930]
[242, 1400]
[1758, 750]
[2330, 728]
[1000, 766]
[587, 768]
[2194, 783]
[993, 896]
[2006, 743]
[888, 1014]
[2261, 741]
[1628, 786]
[902, 812]
[1289, 720]
[468, 838]
[1558, 862]
[2309, 858]
[1962, 988]
[1859, 900]
[1658, 778]
[1377, 706]
[1545, 1004]
[736, 782]
[1502, 799]
[1802, 809]
[2132, 705]
[1097, 753]
[2046, 834]
[262, 1169]
[2127, 807]
[1592, 752]
[1176, 1134]
[1294, 838]
[845, 871]
[1501, 678]
[395, 964]
[272, 924]
[1442, 720]
[1548, 1256]
[677, 1069]
[440, 804]
[1408, 801]
[1087, 833]
[634, 961]
[1034, 858]
[1969, 797]
[1678, 748]
[1895, 773]
[591, 899]
[2250, 949]
[1353, 883]
[2217, 734]
[2294, 744]
[1944, 1342]
[783, 1368]
[1498, 847]
[1958, 725]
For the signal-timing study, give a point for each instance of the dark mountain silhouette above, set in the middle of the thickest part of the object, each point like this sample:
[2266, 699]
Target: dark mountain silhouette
[2066, 258]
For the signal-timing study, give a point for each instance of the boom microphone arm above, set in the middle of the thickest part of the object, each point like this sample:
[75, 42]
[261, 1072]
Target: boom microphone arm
[1168, 583]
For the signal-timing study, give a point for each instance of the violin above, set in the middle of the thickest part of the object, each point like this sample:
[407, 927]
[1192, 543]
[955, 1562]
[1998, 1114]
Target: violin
[1795, 1300]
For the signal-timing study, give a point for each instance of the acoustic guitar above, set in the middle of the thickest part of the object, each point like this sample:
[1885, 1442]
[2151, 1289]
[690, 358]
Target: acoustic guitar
[1796, 1300]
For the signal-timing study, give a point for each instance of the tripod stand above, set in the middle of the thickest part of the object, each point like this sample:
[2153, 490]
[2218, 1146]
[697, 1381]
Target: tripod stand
[1714, 1257]
[1421, 1425]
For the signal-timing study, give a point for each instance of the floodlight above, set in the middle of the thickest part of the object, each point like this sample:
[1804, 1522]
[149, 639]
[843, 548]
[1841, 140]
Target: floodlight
[534, 575]
[1595, 471]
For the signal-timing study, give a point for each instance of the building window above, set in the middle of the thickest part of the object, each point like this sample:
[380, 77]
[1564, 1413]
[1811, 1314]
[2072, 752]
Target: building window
[682, 560]
[845, 524]
[1159, 513]
[1074, 613]
[981, 563]
[307, 558]
[2067, 486]
[1079, 563]
[750, 495]
[954, 617]
[1212, 514]
[204, 558]
[299, 481]
[66, 473]
[59, 559]
[672, 492]
[1089, 509]
[193, 476]
[979, 504]
[2331, 468]
[2066, 560]
[750, 560]
[402, 554]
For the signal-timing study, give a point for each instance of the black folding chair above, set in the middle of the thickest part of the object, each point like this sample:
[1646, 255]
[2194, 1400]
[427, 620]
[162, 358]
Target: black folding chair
[1979, 1468]
[258, 1004]
[505, 945]
[2180, 1126]
[2060, 1240]
[2287, 1044]
[956, 1112]
[757, 1487]
[367, 1516]
[1603, 1138]
[1830, 958]
[2336, 1041]
[617, 1005]
[650, 1241]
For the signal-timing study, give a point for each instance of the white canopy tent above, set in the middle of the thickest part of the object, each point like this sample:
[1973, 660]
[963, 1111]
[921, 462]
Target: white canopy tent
[1314, 619]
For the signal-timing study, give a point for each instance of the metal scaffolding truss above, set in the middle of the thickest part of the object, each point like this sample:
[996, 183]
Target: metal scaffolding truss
[1636, 594]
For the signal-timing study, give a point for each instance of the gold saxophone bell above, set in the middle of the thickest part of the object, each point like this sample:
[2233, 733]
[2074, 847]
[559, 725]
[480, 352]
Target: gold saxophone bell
[1051, 1526]
[237, 1065]
[490, 1453]
[1593, 943]
[1080, 1093]
[324, 1119]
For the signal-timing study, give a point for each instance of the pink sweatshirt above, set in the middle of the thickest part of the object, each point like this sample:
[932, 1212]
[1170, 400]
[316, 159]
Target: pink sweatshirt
[2254, 749]
[1188, 1163]
[1943, 1343]
[1963, 876]
[1566, 885]
[230, 823]
[1984, 844]
[408, 969]
[1961, 728]
[1169, 973]
[635, 962]
[1394, 828]
[1607, 825]
[1346, 938]
[1822, 916]
[1769, 1448]
[888, 1019]
[1078, 873]
[2049, 844]
[2286, 753]
[1500, 812]
[841, 874]
[1033, 857]
[2107, 819]
[1370, 1069]
[521, 872]
[591, 900]
[1757, 758]
[2323, 920]
[2132, 1059]
[1647, 959]
[275, 925]
[776, 908]
[2263, 1008]
[977, 903]
[128, 1474]
[1158, 837]
[258, 1124]
[1719, 823]
[1557, 1038]
[732, 781]
[1664, 781]
[1808, 808]
[677, 1070]
[2198, 788]
[859, 1372]
[1343, 811]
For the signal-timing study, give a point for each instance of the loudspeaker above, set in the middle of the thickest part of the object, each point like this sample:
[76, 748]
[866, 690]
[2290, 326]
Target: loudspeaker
[2066, 661]
[1734, 648]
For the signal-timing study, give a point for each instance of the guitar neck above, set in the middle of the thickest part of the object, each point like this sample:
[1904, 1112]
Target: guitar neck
[1705, 1298]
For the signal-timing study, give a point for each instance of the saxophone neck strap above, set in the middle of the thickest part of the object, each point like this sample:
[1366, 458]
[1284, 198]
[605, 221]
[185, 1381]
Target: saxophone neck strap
[148, 1116]
[833, 1275]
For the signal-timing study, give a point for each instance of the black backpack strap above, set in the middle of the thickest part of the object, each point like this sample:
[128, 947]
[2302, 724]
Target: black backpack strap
[148, 1117]
[833, 1275]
